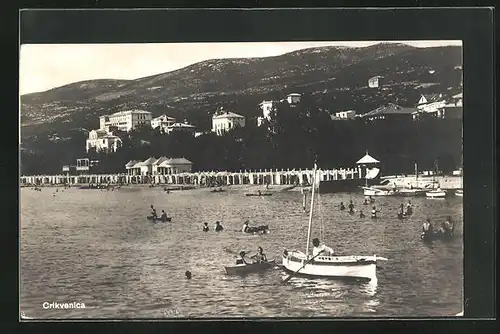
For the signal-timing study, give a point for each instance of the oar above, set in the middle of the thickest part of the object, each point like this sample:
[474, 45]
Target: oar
[291, 275]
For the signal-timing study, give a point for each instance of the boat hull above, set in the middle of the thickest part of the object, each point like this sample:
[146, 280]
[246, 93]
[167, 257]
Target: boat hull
[377, 192]
[335, 267]
[266, 194]
[435, 194]
[241, 269]
[459, 193]
[159, 219]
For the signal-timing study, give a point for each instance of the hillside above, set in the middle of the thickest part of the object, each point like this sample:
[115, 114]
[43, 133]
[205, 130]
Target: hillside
[335, 78]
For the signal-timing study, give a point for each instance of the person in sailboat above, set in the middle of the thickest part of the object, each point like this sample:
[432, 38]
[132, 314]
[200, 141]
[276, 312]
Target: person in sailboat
[351, 207]
[321, 248]
[218, 226]
[361, 214]
[205, 227]
[374, 212]
[260, 256]
[342, 206]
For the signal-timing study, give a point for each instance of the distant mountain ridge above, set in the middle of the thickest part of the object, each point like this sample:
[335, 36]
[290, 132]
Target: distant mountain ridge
[335, 76]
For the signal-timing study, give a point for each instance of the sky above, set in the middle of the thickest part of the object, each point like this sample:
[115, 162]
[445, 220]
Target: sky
[46, 66]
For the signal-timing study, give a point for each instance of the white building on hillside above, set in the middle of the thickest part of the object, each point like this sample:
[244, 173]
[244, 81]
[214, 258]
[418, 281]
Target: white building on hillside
[431, 103]
[125, 120]
[103, 141]
[346, 114]
[224, 121]
[162, 121]
[181, 127]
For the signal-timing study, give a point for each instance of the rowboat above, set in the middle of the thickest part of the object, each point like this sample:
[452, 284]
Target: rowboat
[359, 268]
[243, 268]
[217, 191]
[435, 235]
[263, 194]
[438, 193]
[159, 219]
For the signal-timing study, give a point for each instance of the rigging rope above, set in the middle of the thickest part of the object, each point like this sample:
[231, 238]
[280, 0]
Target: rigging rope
[321, 229]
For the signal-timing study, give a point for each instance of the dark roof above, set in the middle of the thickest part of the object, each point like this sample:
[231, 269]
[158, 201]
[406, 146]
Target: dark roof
[433, 97]
[391, 109]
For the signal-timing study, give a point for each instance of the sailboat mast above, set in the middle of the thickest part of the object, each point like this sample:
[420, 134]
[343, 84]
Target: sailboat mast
[311, 211]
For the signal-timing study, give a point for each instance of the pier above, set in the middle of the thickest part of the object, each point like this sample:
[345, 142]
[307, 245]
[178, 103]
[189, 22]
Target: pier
[204, 178]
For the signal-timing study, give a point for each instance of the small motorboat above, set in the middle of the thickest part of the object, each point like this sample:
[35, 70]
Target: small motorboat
[242, 268]
[437, 193]
[159, 219]
[261, 194]
[459, 192]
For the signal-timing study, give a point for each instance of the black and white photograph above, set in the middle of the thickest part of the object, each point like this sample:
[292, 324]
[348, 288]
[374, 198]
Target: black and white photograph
[241, 179]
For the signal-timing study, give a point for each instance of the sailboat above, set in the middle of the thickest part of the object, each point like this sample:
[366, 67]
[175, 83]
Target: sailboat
[361, 268]
[436, 193]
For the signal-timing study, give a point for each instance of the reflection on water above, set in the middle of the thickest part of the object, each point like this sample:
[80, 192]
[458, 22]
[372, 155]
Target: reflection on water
[97, 247]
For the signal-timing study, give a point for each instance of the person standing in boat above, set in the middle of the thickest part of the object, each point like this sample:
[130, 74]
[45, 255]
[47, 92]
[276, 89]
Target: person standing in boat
[205, 227]
[371, 199]
[260, 256]
[327, 251]
[351, 207]
[374, 212]
[402, 210]
[361, 214]
[342, 207]
[163, 215]
[218, 226]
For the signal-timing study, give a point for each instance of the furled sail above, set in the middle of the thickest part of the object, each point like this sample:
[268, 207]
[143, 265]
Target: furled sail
[372, 173]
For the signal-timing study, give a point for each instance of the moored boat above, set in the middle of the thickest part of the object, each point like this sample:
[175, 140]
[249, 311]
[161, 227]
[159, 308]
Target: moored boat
[243, 268]
[335, 267]
[370, 191]
[437, 193]
[411, 192]
[459, 192]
